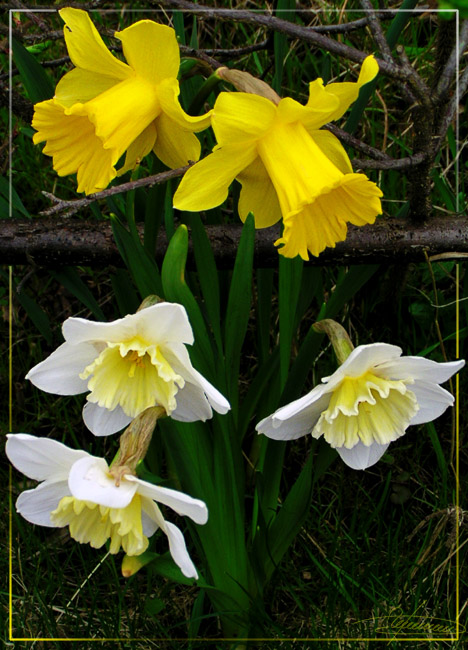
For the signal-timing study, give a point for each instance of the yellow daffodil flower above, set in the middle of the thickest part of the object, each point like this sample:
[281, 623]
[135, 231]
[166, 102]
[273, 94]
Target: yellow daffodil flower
[367, 403]
[78, 491]
[104, 107]
[287, 167]
[129, 365]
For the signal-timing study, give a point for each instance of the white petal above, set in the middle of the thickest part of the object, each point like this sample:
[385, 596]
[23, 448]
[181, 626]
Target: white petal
[178, 357]
[102, 422]
[365, 357]
[41, 458]
[165, 322]
[89, 480]
[181, 503]
[433, 400]
[162, 322]
[296, 419]
[59, 373]
[36, 505]
[217, 401]
[360, 456]
[149, 522]
[314, 399]
[81, 330]
[179, 551]
[421, 368]
[192, 404]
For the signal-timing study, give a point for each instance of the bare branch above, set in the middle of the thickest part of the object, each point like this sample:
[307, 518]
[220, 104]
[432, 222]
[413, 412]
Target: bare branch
[70, 208]
[354, 142]
[377, 33]
[451, 111]
[307, 34]
[448, 72]
[344, 28]
[392, 163]
[55, 242]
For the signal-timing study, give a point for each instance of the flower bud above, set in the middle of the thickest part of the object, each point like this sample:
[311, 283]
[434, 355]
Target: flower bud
[338, 337]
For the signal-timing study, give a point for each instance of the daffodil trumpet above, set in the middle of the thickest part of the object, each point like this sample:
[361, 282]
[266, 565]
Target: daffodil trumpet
[105, 108]
[287, 166]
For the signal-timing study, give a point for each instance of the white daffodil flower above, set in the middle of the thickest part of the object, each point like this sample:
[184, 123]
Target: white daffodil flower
[78, 491]
[129, 365]
[367, 403]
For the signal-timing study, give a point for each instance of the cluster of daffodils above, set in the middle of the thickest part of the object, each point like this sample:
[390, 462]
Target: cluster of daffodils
[288, 167]
[136, 369]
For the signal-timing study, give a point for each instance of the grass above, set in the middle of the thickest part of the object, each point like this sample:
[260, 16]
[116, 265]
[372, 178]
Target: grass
[378, 545]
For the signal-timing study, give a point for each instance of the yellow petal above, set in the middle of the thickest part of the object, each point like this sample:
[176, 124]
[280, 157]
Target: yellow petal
[241, 117]
[80, 85]
[206, 184]
[139, 148]
[151, 50]
[347, 92]
[73, 145]
[122, 113]
[258, 195]
[175, 146]
[316, 113]
[333, 149]
[87, 49]
[168, 93]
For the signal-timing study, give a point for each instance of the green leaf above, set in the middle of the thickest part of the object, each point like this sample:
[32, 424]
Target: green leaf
[69, 278]
[177, 290]
[349, 284]
[238, 307]
[37, 315]
[290, 274]
[17, 207]
[36, 82]
[295, 508]
[207, 275]
[144, 269]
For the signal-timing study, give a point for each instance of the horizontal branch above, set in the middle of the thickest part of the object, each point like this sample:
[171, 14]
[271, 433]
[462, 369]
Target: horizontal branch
[54, 242]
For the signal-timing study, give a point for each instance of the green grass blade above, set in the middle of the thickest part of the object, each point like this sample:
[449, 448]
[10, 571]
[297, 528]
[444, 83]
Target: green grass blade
[36, 82]
[208, 276]
[144, 270]
[290, 274]
[70, 279]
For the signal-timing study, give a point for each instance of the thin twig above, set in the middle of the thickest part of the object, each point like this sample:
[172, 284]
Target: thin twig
[353, 25]
[73, 206]
[448, 72]
[451, 110]
[237, 51]
[416, 82]
[393, 163]
[307, 34]
[377, 32]
[354, 142]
